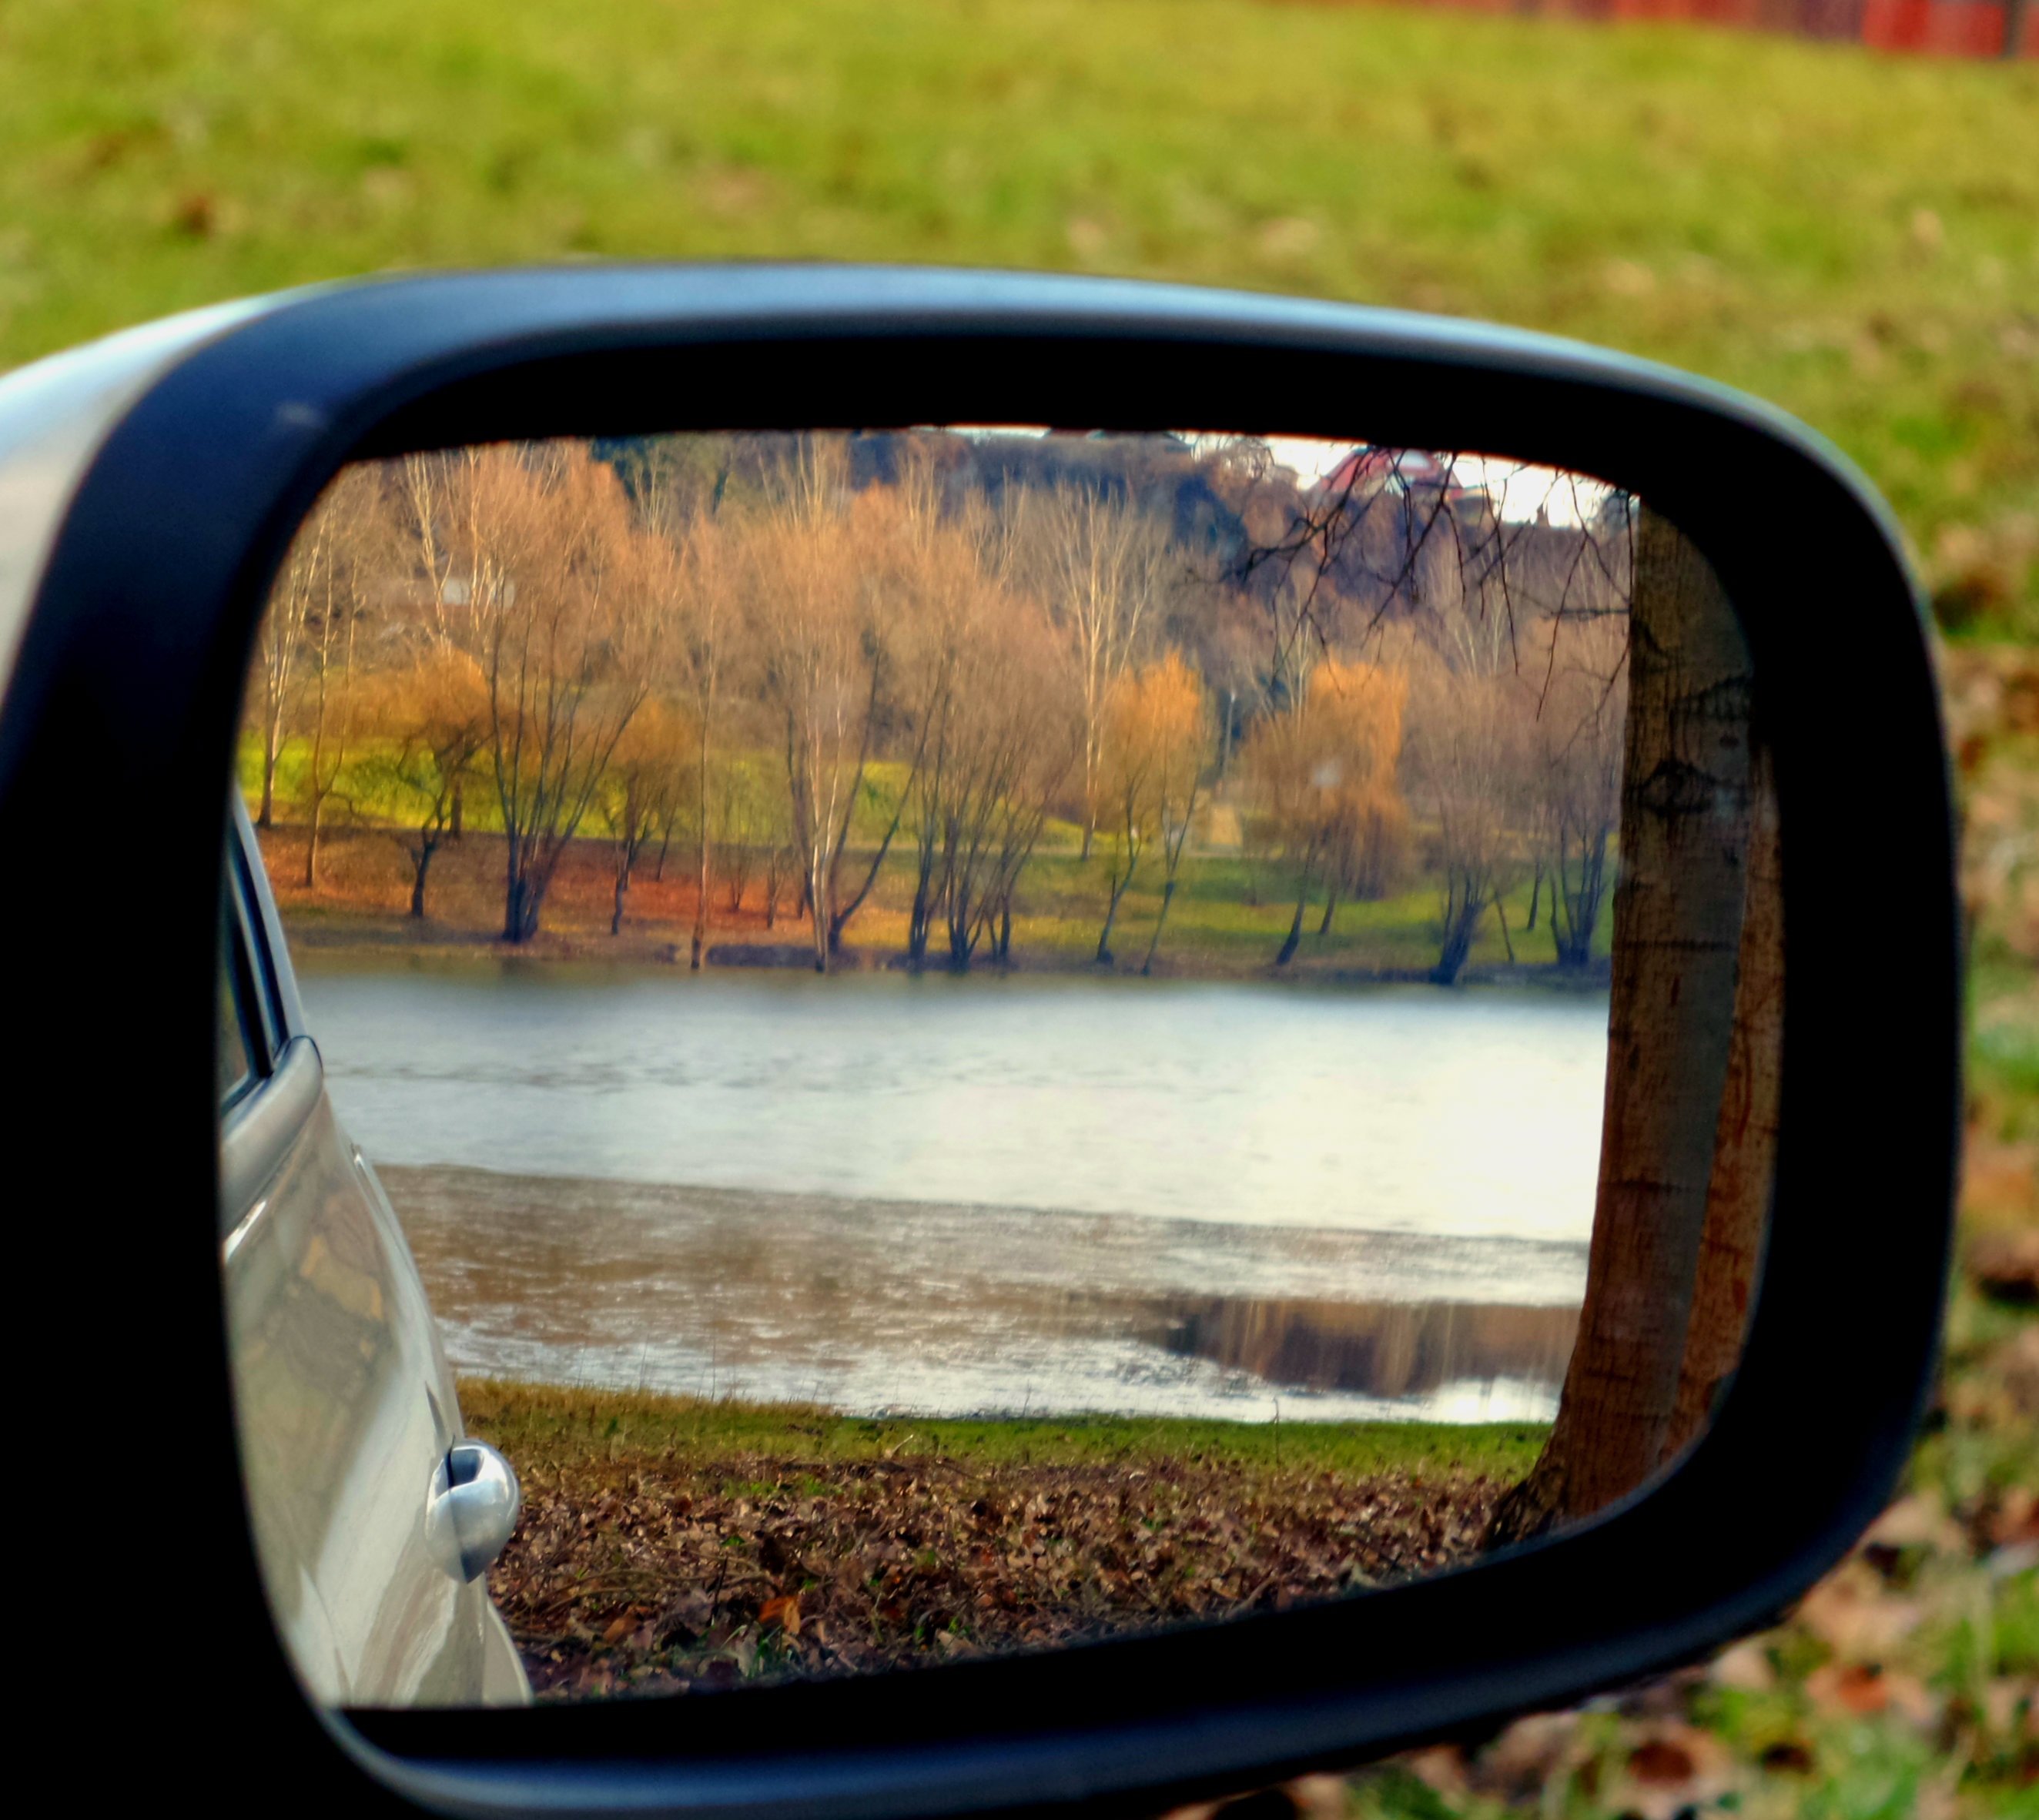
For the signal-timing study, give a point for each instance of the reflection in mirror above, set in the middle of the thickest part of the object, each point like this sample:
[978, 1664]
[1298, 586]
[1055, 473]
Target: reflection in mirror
[982, 1038]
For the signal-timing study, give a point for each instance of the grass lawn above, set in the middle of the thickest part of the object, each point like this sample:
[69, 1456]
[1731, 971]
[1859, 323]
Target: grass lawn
[539, 1422]
[1853, 235]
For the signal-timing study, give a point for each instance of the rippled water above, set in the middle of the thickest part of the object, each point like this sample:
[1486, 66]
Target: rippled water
[960, 1195]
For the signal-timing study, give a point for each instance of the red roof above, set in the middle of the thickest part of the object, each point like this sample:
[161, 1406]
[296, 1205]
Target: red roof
[1367, 470]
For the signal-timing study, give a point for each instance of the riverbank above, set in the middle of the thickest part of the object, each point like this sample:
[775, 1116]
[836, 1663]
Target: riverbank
[1227, 921]
[671, 1543]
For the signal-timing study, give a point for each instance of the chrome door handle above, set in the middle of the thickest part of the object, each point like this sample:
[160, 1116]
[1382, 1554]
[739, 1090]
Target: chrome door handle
[471, 1508]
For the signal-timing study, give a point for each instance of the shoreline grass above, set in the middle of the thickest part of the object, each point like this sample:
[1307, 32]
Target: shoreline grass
[559, 1421]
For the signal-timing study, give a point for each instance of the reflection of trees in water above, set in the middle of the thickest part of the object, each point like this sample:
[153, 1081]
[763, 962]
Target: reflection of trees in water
[1385, 1349]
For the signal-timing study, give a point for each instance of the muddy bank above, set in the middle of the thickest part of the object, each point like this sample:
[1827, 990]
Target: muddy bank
[1388, 1349]
[868, 1305]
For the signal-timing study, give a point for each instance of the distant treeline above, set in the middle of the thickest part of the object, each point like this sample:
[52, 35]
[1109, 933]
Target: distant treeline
[1389, 667]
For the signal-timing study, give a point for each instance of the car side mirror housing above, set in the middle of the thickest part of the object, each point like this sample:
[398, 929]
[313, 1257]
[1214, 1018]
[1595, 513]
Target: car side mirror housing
[151, 486]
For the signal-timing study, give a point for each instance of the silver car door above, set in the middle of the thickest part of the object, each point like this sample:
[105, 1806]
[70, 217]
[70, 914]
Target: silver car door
[346, 1408]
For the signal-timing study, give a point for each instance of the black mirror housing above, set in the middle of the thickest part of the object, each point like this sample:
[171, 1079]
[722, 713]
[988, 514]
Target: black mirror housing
[159, 477]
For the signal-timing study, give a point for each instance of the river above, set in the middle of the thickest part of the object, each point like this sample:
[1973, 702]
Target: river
[954, 1196]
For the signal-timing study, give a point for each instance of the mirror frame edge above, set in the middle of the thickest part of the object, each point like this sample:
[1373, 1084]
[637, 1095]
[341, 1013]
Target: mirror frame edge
[206, 474]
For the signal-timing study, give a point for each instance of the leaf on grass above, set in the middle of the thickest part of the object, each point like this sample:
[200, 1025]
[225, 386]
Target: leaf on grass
[1919, 1521]
[2015, 1522]
[1661, 1762]
[1746, 1667]
[1442, 1767]
[784, 1613]
[1855, 1615]
[2005, 1266]
[1787, 1756]
[1672, 1768]
[1865, 1687]
[1527, 1754]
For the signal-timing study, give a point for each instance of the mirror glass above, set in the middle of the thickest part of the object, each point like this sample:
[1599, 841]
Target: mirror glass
[957, 1040]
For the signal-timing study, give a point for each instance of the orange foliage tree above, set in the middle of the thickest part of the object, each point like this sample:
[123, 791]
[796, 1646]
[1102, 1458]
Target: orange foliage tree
[1155, 744]
[641, 789]
[428, 721]
[1322, 776]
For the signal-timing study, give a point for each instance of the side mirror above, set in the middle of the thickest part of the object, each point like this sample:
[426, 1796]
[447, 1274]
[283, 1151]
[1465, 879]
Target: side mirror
[1543, 564]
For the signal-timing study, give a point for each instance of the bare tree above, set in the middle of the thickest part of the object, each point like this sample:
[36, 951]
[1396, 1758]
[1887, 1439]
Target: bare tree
[1125, 792]
[706, 635]
[424, 484]
[1156, 737]
[1467, 757]
[344, 541]
[1185, 757]
[778, 866]
[1678, 908]
[561, 591]
[993, 752]
[1104, 568]
[276, 679]
[1576, 787]
[821, 669]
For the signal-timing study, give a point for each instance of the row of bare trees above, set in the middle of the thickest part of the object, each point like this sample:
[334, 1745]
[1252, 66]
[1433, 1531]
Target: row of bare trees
[799, 674]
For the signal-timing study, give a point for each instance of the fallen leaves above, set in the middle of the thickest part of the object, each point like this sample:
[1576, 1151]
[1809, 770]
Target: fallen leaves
[2005, 1266]
[1906, 1683]
[662, 1572]
[1746, 1667]
[1867, 1687]
[1855, 1616]
[1672, 1769]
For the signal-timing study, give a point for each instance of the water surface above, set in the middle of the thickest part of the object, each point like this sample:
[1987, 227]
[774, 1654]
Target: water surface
[988, 1193]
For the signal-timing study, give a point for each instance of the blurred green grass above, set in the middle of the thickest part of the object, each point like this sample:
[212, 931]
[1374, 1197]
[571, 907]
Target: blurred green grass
[1853, 236]
[551, 1422]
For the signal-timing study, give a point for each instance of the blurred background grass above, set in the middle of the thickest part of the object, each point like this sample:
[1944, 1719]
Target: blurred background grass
[1853, 236]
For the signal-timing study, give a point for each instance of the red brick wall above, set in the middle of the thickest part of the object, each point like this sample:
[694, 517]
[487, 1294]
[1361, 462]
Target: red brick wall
[1951, 28]
[1936, 28]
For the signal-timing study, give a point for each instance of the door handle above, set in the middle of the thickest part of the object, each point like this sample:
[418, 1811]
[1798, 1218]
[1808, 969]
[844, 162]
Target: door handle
[471, 1508]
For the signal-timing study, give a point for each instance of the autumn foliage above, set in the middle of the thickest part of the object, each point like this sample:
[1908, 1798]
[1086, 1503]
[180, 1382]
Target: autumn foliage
[1324, 775]
[663, 1565]
[827, 672]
